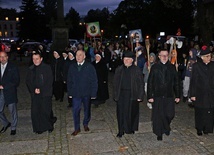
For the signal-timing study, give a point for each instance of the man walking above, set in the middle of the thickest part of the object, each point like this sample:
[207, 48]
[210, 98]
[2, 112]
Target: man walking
[202, 92]
[82, 87]
[128, 92]
[39, 81]
[8, 92]
[163, 84]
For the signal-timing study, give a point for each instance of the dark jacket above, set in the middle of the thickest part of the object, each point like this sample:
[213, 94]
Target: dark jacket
[163, 81]
[10, 82]
[40, 77]
[82, 83]
[137, 84]
[202, 84]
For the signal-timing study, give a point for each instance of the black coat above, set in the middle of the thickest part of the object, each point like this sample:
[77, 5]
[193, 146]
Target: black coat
[137, 84]
[57, 69]
[10, 82]
[40, 77]
[102, 77]
[202, 84]
[66, 66]
[163, 81]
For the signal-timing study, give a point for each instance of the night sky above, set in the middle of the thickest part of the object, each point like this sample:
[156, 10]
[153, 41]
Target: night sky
[81, 6]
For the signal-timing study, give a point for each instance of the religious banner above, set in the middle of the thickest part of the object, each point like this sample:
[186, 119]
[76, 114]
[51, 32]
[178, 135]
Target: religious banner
[93, 29]
[136, 35]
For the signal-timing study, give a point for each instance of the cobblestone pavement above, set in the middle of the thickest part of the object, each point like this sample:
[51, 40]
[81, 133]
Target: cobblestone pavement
[101, 139]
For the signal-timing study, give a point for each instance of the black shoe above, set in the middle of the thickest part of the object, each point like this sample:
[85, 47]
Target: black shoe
[13, 132]
[54, 119]
[167, 133]
[199, 133]
[119, 135]
[5, 128]
[206, 133]
[61, 100]
[51, 130]
[159, 138]
[39, 132]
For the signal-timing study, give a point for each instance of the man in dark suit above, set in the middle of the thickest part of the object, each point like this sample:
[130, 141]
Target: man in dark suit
[82, 86]
[8, 92]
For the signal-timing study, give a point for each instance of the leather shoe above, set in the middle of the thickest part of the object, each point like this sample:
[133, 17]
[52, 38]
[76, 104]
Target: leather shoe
[5, 128]
[159, 138]
[39, 132]
[75, 132]
[86, 128]
[119, 135]
[13, 132]
[50, 130]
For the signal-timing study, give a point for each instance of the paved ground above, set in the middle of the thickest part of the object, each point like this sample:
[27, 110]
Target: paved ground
[101, 139]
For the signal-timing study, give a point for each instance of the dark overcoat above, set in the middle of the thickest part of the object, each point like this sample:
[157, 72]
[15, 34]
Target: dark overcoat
[82, 83]
[202, 84]
[10, 82]
[137, 84]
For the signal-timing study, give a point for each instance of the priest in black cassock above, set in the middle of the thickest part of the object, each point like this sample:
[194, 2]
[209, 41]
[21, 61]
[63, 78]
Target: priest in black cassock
[128, 92]
[39, 81]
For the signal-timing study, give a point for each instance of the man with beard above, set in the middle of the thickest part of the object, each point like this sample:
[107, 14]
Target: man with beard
[128, 92]
[163, 84]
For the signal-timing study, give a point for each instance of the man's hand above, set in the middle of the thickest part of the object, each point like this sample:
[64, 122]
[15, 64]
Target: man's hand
[151, 100]
[177, 100]
[139, 100]
[93, 98]
[37, 91]
[193, 98]
[1, 87]
[69, 96]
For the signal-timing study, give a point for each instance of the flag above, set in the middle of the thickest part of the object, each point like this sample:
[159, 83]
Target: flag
[93, 29]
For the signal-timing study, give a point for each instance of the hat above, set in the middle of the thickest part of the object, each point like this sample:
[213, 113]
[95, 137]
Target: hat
[128, 54]
[204, 51]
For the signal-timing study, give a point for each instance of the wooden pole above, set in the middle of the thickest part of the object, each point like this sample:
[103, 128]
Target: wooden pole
[147, 44]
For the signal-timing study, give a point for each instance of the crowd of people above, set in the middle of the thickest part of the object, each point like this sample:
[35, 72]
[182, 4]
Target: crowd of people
[161, 73]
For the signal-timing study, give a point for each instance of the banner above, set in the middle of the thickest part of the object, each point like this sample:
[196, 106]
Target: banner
[136, 35]
[93, 29]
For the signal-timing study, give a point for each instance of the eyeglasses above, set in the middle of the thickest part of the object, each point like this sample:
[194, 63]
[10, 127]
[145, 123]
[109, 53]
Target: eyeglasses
[164, 56]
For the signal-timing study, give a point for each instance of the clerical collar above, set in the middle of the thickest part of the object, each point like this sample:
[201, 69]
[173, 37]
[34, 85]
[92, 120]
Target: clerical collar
[81, 63]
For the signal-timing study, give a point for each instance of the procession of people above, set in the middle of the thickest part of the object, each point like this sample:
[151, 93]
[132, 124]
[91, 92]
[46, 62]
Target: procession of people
[154, 75]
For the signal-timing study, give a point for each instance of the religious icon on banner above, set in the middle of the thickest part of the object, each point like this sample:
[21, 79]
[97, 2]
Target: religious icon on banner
[136, 35]
[93, 29]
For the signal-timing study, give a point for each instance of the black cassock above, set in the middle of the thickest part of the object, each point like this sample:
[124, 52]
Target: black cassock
[127, 109]
[41, 104]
